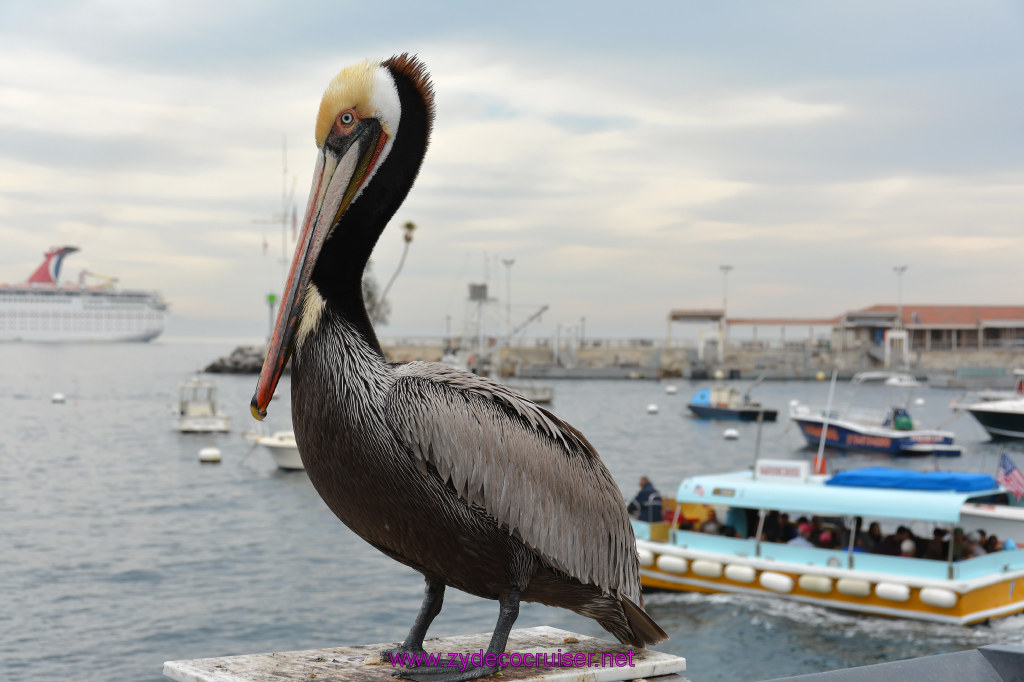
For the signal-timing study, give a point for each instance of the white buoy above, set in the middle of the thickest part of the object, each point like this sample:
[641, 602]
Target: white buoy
[57, 398]
[794, 402]
[731, 434]
[209, 455]
[670, 389]
[652, 409]
[919, 401]
[719, 374]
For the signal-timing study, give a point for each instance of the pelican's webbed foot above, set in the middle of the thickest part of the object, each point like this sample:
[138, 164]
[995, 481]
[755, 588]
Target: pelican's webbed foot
[400, 652]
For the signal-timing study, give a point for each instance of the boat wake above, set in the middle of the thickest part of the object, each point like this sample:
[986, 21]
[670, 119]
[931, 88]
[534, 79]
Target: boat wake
[771, 613]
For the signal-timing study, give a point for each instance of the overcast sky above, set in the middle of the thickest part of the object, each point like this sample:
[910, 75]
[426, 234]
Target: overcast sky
[619, 152]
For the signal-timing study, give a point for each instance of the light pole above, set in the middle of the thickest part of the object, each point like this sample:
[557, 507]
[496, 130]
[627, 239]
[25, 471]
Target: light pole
[508, 263]
[899, 270]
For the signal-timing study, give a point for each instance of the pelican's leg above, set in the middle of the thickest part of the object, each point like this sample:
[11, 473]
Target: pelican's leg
[507, 615]
[433, 597]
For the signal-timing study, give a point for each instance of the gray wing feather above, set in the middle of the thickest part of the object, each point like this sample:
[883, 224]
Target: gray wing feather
[535, 474]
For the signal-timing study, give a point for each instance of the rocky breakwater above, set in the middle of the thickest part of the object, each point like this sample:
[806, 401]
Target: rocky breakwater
[242, 360]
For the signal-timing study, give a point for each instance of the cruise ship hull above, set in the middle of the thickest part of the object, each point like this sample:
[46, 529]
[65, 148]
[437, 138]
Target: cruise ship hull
[79, 314]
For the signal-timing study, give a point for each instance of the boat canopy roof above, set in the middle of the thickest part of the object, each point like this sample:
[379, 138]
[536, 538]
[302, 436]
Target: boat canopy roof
[813, 496]
[902, 479]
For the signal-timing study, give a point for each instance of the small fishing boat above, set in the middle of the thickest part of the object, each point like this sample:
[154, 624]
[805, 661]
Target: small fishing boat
[835, 573]
[722, 401]
[891, 430]
[282, 448]
[197, 408]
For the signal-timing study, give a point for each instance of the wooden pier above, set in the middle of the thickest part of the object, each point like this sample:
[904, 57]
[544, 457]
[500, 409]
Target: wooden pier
[362, 661]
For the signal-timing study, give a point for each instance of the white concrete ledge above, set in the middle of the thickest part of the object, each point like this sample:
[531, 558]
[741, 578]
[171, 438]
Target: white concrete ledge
[362, 662]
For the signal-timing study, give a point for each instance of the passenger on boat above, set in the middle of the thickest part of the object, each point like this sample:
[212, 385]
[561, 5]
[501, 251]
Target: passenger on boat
[787, 531]
[908, 548]
[816, 529]
[711, 524]
[992, 544]
[872, 540]
[803, 536]
[893, 544]
[973, 546]
[937, 547]
[825, 539]
[646, 506]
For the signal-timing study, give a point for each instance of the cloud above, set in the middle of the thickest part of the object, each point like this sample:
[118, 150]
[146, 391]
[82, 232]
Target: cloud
[619, 162]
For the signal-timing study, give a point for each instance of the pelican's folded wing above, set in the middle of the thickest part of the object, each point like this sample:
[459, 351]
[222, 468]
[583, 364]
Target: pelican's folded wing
[535, 474]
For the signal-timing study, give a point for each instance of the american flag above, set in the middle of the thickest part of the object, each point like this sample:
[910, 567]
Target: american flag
[1010, 477]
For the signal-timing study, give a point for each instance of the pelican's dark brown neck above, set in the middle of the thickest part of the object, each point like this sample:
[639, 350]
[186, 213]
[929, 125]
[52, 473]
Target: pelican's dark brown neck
[338, 274]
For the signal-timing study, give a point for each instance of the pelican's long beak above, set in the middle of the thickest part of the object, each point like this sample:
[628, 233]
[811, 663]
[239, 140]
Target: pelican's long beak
[338, 175]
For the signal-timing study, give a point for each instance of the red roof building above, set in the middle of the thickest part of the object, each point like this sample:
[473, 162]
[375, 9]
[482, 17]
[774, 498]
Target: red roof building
[937, 327]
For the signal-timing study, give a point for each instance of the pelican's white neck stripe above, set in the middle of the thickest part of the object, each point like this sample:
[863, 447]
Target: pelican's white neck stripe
[313, 305]
[387, 109]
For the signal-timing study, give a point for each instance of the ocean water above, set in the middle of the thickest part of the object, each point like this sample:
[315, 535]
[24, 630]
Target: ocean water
[119, 550]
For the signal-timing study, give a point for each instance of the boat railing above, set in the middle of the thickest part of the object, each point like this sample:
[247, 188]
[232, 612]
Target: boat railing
[708, 542]
[996, 562]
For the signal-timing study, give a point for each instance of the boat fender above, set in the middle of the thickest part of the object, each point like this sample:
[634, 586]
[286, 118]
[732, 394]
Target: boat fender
[776, 582]
[892, 591]
[646, 557]
[853, 587]
[672, 564]
[708, 569]
[741, 574]
[815, 583]
[938, 596]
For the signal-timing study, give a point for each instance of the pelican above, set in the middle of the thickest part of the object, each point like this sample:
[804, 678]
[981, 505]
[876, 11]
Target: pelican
[449, 473]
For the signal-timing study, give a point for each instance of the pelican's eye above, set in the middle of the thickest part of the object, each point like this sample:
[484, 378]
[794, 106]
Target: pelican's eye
[347, 118]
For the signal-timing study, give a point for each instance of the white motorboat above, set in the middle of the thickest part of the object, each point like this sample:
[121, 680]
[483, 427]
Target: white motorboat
[890, 430]
[282, 448]
[1000, 418]
[197, 408]
[1000, 413]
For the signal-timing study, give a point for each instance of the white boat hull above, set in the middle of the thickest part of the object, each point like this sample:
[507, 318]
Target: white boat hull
[211, 424]
[283, 450]
[79, 314]
[1000, 418]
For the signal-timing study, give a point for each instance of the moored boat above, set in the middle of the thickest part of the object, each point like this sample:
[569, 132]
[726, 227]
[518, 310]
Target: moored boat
[1000, 418]
[722, 401]
[198, 411]
[1000, 413]
[890, 430]
[835, 574]
[283, 450]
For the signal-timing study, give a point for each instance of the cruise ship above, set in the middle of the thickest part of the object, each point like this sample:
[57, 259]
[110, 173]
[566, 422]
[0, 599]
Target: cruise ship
[44, 309]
